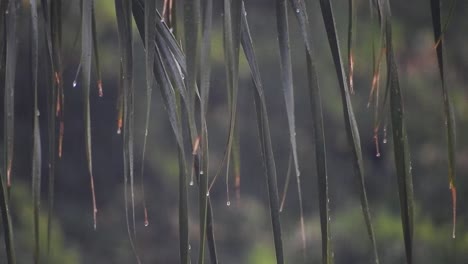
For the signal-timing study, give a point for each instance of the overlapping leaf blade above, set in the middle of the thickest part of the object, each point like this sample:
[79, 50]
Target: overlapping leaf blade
[205, 75]
[448, 108]
[124, 23]
[286, 74]
[264, 134]
[350, 120]
[400, 140]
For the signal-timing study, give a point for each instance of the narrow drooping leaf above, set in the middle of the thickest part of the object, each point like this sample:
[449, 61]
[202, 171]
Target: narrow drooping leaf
[205, 75]
[86, 58]
[448, 108]
[53, 68]
[400, 140]
[352, 17]
[150, 32]
[264, 135]
[170, 102]
[124, 25]
[378, 52]
[8, 70]
[192, 26]
[96, 53]
[9, 92]
[231, 42]
[318, 132]
[170, 65]
[320, 159]
[350, 121]
[36, 154]
[286, 74]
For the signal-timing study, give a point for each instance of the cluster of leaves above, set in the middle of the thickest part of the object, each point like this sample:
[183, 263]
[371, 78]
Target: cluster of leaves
[182, 73]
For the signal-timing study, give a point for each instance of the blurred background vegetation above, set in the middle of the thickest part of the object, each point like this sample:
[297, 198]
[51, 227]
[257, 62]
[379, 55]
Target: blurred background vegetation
[243, 230]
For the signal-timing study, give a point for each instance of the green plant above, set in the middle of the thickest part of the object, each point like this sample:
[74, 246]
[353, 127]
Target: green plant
[182, 72]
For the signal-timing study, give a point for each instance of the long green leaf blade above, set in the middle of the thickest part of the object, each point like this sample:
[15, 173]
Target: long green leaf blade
[350, 120]
[124, 24]
[400, 141]
[286, 74]
[205, 75]
[36, 155]
[448, 108]
[9, 97]
[86, 58]
[150, 32]
[170, 102]
[192, 26]
[8, 71]
[231, 42]
[264, 134]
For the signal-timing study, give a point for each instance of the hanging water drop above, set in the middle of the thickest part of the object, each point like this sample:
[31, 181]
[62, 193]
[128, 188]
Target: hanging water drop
[297, 10]
[189, 247]
[38, 113]
[384, 141]
[146, 223]
[191, 183]
[377, 154]
[207, 193]
[201, 172]
[228, 203]
[74, 84]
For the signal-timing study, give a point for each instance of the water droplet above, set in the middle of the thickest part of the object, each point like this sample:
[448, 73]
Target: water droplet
[385, 141]
[74, 84]
[38, 113]
[189, 247]
[191, 183]
[201, 172]
[377, 154]
[146, 223]
[245, 13]
[208, 193]
[297, 10]
[183, 77]
[119, 131]
[228, 203]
